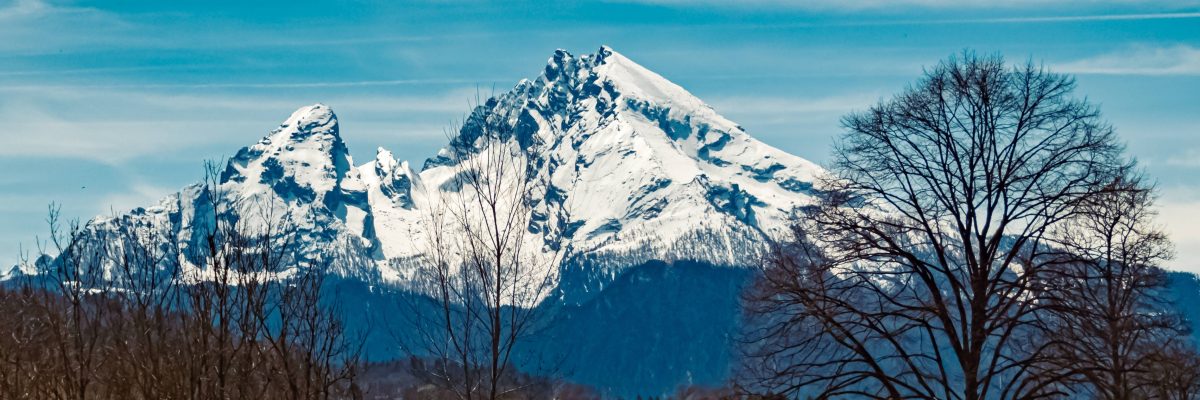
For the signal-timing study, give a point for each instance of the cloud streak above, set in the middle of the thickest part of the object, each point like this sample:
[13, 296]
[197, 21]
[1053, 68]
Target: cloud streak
[38, 27]
[757, 105]
[252, 85]
[1190, 158]
[114, 126]
[138, 194]
[1086, 18]
[839, 5]
[1139, 60]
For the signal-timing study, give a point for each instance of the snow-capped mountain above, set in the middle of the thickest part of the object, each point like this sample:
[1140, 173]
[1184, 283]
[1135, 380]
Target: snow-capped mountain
[631, 168]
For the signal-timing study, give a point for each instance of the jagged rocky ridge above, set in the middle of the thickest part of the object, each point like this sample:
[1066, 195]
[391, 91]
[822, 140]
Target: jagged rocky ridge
[631, 168]
[653, 199]
[653, 194]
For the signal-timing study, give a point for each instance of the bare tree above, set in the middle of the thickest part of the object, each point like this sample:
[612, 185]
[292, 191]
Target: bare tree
[124, 311]
[75, 305]
[931, 236]
[225, 293]
[145, 269]
[485, 271]
[24, 338]
[804, 338]
[1104, 293]
[259, 311]
[1174, 373]
[311, 348]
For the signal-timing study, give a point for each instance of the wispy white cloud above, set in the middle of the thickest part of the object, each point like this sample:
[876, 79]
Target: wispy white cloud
[45, 27]
[114, 126]
[1028, 19]
[23, 9]
[1015, 11]
[253, 85]
[110, 142]
[41, 27]
[1139, 60]
[824, 5]
[213, 104]
[1179, 214]
[840, 103]
[1084, 18]
[1189, 158]
[85, 71]
[137, 194]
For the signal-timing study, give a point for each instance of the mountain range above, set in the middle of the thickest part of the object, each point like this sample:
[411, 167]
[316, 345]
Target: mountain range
[632, 168]
[659, 204]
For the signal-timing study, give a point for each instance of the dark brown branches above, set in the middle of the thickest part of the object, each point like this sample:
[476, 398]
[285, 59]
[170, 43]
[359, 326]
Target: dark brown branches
[934, 231]
[1104, 292]
[484, 269]
[125, 310]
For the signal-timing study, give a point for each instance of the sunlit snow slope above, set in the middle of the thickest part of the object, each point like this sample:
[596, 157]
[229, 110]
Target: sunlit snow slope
[630, 168]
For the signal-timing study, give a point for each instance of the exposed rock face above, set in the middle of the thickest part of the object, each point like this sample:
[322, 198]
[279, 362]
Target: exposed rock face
[628, 167]
[651, 194]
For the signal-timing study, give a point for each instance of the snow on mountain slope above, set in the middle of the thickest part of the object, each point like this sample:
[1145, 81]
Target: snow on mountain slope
[300, 171]
[303, 167]
[631, 167]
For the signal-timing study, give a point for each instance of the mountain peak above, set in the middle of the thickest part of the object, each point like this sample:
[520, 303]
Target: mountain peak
[626, 168]
[384, 159]
[605, 50]
[630, 154]
[610, 71]
[304, 157]
[305, 121]
[626, 164]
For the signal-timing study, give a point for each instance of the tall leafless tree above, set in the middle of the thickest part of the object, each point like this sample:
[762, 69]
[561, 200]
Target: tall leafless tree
[259, 310]
[143, 262]
[1104, 292]
[76, 306]
[1174, 373]
[123, 311]
[484, 269]
[916, 276]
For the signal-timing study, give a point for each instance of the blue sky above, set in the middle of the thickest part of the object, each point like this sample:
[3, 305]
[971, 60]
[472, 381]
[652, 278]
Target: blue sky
[111, 105]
